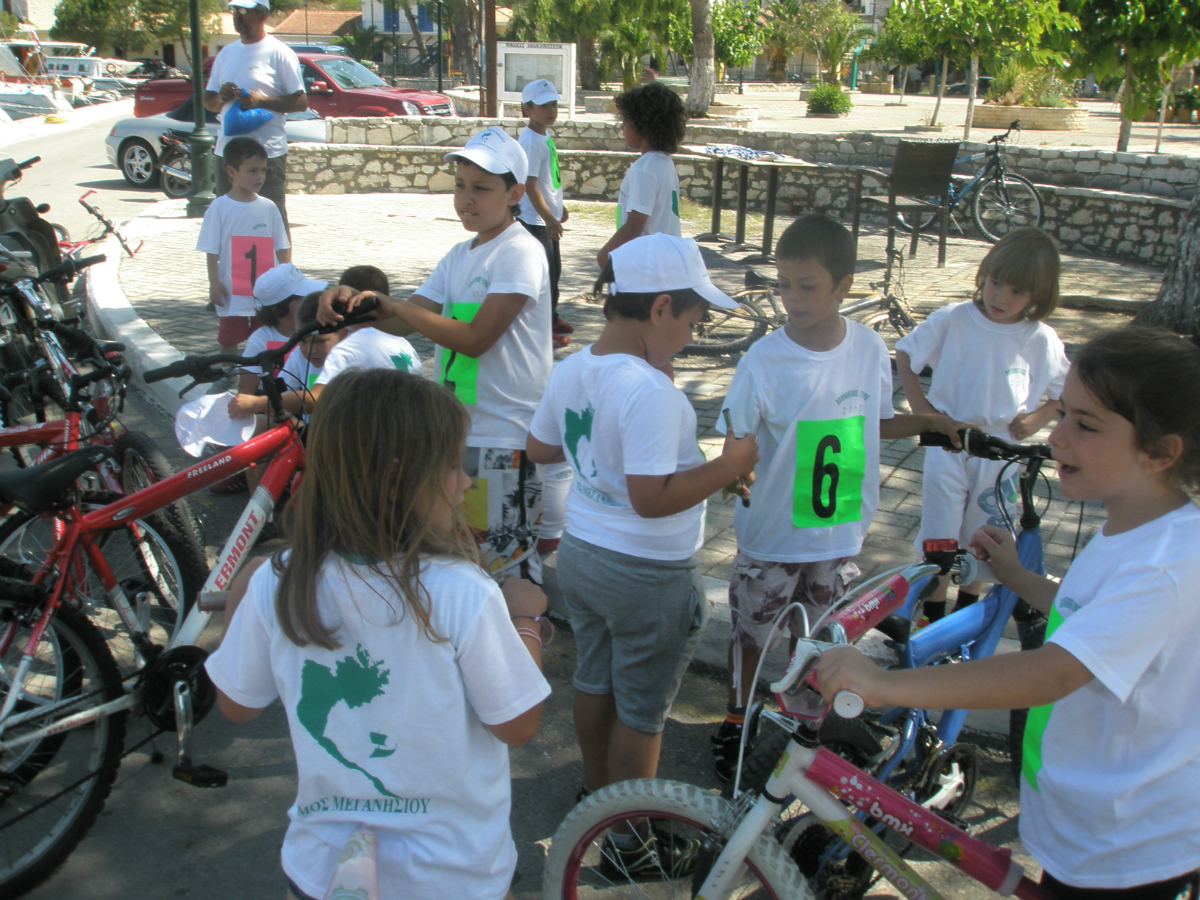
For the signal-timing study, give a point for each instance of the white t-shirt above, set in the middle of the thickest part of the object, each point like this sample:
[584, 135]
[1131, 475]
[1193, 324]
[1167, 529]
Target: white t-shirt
[501, 388]
[1117, 802]
[298, 373]
[651, 186]
[985, 373]
[389, 729]
[615, 415]
[245, 238]
[815, 413]
[542, 154]
[370, 348]
[269, 67]
[264, 337]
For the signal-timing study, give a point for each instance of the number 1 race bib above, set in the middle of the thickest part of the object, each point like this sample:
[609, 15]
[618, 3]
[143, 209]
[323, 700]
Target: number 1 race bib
[830, 463]
[250, 257]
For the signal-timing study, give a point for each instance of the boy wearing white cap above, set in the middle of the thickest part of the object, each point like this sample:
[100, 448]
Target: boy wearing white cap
[817, 393]
[277, 293]
[542, 211]
[487, 308]
[635, 514]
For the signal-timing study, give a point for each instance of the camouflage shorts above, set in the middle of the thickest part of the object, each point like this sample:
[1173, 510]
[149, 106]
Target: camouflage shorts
[759, 591]
[504, 510]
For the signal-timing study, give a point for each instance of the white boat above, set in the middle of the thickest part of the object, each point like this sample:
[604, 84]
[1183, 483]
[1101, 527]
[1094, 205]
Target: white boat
[62, 59]
[21, 101]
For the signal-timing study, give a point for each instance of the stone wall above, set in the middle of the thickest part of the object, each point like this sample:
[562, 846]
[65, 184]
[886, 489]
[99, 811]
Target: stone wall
[1132, 173]
[1034, 118]
[1110, 223]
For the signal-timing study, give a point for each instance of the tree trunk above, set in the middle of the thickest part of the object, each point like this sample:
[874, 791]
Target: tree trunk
[589, 79]
[415, 29]
[1126, 100]
[903, 82]
[972, 81]
[702, 86]
[1177, 305]
[462, 31]
[937, 107]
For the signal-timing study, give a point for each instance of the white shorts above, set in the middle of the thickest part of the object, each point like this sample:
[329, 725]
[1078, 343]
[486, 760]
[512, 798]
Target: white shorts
[958, 495]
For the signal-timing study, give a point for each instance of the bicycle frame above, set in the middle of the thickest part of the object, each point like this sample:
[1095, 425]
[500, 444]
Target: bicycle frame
[79, 531]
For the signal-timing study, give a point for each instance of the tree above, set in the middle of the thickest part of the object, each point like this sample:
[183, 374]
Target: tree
[737, 35]
[830, 32]
[1138, 39]
[901, 43]
[362, 43]
[702, 86]
[129, 26]
[1177, 305]
[784, 34]
[623, 44]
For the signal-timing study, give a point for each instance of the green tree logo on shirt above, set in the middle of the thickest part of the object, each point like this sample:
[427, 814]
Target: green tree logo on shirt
[578, 427]
[355, 681]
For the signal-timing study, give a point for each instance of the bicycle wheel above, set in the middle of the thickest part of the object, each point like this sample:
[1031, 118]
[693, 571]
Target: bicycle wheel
[922, 220]
[581, 862]
[724, 331]
[1004, 203]
[51, 791]
[146, 563]
[141, 464]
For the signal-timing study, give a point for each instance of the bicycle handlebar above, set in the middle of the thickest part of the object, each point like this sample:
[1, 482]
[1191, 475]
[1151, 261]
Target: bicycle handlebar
[200, 368]
[67, 269]
[997, 138]
[987, 446]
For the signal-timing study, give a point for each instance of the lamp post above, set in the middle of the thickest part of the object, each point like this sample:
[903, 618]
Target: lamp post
[439, 43]
[200, 194]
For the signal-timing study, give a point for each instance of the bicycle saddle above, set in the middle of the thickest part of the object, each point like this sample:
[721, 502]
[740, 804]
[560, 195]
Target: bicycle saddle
[41, 488]
[755, 280]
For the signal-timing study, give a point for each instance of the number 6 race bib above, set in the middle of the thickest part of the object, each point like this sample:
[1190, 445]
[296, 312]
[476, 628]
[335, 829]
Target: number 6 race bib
[830, 463]
[249, 257]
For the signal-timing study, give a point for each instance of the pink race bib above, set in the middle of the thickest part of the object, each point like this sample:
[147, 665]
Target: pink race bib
[250, 257]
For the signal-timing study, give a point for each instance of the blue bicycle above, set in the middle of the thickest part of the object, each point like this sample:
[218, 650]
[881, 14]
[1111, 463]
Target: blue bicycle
[1000, 200]
[906, 748]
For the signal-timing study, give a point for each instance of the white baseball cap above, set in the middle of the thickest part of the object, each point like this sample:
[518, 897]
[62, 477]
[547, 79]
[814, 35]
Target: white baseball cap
[539, 92]
[250, 4]
[283, 281]
[494, 151]
[661, 263]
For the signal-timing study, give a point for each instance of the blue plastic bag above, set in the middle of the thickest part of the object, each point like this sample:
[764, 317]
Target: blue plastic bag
[243, 121]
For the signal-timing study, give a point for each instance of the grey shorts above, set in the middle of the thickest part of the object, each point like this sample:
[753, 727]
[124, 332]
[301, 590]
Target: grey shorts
[637, 623]
[758, 592]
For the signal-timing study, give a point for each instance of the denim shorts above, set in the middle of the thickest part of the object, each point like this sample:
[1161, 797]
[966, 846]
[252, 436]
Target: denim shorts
[636, 622]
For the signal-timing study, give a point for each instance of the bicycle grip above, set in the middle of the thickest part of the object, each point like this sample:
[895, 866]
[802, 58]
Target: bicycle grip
[848, 705]
[936, 439]
[177, 369]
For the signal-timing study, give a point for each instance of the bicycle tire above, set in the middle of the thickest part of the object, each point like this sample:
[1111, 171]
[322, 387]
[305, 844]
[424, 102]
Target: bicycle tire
[91, 752]
[923, 220]
[130, 551]
[683, 808]
[141, 463]
[1004, 202]
[723, 331]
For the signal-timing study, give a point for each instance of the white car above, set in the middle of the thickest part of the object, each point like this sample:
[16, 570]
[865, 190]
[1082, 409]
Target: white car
[132, 145]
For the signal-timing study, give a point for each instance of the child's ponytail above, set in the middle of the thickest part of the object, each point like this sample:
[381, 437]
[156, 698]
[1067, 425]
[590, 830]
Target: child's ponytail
[381, 444]
[1151, 377]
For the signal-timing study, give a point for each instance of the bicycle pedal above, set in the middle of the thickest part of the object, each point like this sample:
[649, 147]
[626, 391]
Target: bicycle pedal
[201, 776]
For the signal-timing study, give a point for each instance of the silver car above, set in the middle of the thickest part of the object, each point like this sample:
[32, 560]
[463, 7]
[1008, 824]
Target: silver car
[132, 145]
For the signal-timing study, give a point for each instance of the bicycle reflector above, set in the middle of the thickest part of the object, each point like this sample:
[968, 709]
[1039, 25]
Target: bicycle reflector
[940, 545]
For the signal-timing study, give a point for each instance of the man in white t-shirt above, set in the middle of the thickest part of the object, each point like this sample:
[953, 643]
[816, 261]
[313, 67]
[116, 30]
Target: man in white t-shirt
[542, 211]
[258, 72]
[818, 395]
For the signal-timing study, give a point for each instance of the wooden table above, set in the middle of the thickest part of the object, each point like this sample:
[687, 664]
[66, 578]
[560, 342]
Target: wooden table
[737, 242]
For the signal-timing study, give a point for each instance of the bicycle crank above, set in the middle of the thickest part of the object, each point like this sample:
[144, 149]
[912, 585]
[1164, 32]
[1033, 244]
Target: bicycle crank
[176, 694]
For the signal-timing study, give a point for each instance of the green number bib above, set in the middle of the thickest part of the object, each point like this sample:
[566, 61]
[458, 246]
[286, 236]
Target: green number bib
[1039, 718]
[459, 372]
[830, 463]
[555, 179]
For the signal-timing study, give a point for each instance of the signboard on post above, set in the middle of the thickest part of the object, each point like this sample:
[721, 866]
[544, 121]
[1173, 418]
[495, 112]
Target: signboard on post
[518, 63]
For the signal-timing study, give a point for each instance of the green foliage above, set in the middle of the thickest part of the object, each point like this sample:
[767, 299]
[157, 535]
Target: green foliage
[828, 98]
[623, 45]
[902, 42]
[362, 43]
[130, 26]
[785, 20]
[1017, 85]
[737, 37]
[830, 31]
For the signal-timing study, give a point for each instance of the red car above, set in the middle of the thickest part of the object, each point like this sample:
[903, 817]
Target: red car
[336, 86]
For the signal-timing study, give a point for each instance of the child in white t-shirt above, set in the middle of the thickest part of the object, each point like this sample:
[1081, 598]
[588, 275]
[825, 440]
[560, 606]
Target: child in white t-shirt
[244, 236]
[817, 393]
[277, 294]
[1110, 787]
[994, 358]
[653, 120]
[403, 670]
[542, 211]
[635, 514]
[487, 308]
